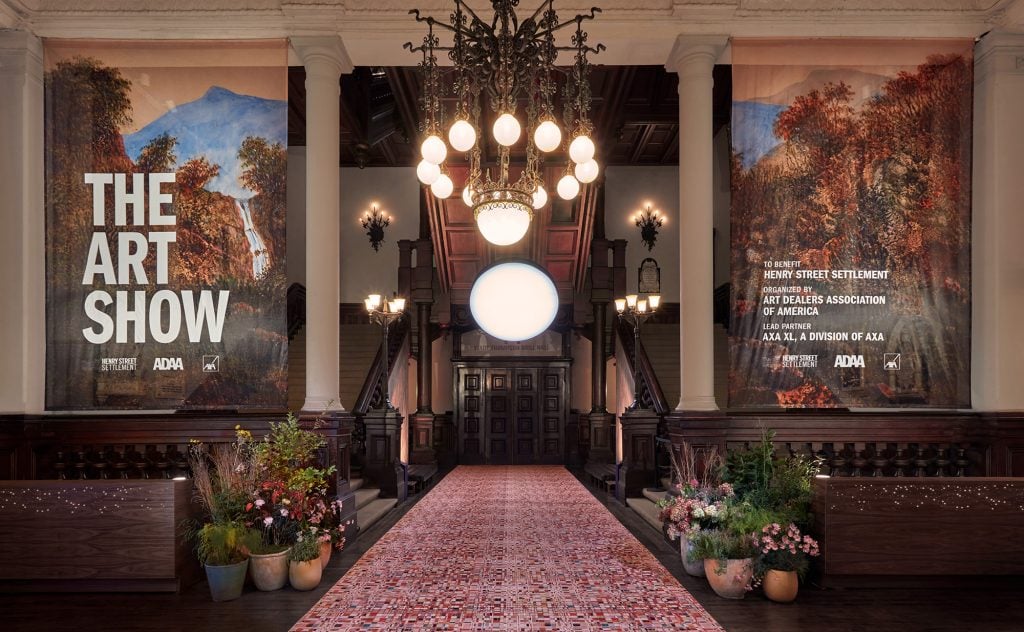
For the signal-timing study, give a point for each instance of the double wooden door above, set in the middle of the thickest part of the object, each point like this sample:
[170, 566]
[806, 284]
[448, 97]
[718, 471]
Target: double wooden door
[511, 415]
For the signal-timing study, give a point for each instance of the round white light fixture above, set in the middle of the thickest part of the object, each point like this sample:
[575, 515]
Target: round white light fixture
[434, 150]
[467, 196]
[540, 198]
[568, 187]
[461, 135]
[503, 222]
[586, 172]
[513, 301]
[442, 187]
[581, 149]
[547, 137]
[427, 172]
[507, 130]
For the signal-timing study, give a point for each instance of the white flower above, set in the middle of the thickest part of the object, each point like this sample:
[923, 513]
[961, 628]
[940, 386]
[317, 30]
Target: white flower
[284, 512]
[268, 521]
[260, 502]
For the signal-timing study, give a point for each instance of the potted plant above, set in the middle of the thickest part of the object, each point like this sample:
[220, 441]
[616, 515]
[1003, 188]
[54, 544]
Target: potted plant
[304, 568]
[699, 505]
[223, 478]
[728, 560]
[272, 512]
[783, 560]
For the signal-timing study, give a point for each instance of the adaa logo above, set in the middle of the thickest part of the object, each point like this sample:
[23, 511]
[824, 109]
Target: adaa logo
[849, 361]
[168, 364]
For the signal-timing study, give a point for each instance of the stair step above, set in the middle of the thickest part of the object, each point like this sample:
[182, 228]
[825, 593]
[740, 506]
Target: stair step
[365, 496]
[354, 484]
[374, 511]
[654, 495]
[647, 510]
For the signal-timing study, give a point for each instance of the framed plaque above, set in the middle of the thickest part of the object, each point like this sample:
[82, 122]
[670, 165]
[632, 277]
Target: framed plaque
[649, 277]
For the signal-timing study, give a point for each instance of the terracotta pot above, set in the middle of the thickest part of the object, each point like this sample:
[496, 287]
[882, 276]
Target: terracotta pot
[269, 571]
[226, 581]
[781, 586]
[696, 567]
[732, 581]
[325, 553]
[305, 575]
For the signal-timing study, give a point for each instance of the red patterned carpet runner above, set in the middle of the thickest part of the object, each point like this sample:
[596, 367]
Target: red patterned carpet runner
[508, 548]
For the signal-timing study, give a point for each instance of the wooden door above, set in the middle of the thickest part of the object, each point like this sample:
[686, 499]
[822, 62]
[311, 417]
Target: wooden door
[511, 415]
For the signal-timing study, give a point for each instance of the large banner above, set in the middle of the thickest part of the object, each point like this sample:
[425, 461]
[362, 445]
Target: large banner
[851, 189]
[165, 224]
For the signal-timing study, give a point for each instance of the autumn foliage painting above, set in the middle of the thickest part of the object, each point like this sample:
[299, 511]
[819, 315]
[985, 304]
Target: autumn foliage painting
[850, 224]
[166, 165]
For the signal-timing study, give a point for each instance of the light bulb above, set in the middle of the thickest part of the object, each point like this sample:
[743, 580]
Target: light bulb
[427, 172]
[540, 198]
[433, 149]
[586, 172]
[467, 196]
[507, 130]
[461, 135]
[568, 187]
[547, 137]
[620, 305]
[442, 187]
[581, 149]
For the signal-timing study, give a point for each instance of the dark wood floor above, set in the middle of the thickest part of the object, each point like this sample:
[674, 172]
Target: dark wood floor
[988, 607]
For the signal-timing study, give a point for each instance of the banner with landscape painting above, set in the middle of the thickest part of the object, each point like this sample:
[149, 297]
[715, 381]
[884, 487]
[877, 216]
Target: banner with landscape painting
[165, 224]
[851, 216]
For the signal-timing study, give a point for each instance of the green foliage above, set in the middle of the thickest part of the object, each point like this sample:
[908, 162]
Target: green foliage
[218, 544]
[721, 544]
[306, 547]
[158, 155]
[778, 485]
[289, 453]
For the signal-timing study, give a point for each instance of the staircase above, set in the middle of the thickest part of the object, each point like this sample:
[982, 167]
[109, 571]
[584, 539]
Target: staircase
[370, 507]
[646, 507]
[358, 344]
[661, 342]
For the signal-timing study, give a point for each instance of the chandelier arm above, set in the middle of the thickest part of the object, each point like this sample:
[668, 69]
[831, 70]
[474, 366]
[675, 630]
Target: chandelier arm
[576, 20]
[469, 10]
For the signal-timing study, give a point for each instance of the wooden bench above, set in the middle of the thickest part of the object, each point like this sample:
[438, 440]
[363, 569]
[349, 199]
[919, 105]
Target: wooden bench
[421, 475]
[601, 474]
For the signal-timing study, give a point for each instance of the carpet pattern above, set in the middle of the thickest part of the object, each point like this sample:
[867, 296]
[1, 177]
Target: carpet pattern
[507, 548]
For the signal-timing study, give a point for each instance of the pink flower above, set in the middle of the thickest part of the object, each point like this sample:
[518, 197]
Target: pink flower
[260, 502]
[268, 521]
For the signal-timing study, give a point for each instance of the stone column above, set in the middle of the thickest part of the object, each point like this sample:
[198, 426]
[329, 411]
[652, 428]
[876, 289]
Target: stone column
[325, 60]
[997, 258]
[22, 240]
[693, 58]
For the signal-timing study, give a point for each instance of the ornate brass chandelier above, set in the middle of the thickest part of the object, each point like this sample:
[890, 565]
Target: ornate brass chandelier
[499, 62]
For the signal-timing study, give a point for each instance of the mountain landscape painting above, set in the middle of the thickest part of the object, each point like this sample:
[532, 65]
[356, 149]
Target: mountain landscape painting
[850, 224]
[166, 167]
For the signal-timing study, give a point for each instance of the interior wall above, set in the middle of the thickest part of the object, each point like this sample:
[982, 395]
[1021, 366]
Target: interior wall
[582, 399]
[628, 190]
[396, 192]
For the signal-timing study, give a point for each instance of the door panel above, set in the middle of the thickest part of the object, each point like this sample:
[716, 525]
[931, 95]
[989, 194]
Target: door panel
[512, 415]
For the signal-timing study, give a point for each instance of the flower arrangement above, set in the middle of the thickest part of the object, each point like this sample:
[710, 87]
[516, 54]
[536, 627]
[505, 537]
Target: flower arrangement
[275, 511]
[696, 508]
[306, 547]
[785, 549]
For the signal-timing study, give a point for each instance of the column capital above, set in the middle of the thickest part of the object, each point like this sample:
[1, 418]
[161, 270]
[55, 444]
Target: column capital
[691, 49]
[999, 51]
[21, 53]
[322, 52]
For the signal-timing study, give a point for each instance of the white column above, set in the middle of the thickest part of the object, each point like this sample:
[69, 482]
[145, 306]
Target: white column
[693, 58]
[22, 245]
[325, 60]
[997, 361]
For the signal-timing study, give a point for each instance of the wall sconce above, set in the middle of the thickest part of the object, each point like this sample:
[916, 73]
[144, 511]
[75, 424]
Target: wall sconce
[649, 221]
[374, 222]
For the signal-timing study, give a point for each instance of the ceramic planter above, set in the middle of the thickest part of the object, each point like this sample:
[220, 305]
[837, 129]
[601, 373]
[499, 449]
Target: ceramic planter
[269, 571]
[325, 553]
[696, 567]
[305, 575]
[781, 586]
[732, 581]
[226, 581]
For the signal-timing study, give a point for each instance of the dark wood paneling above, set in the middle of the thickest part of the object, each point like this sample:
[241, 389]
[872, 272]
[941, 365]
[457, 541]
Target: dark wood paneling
[916, 526]
[97, 531]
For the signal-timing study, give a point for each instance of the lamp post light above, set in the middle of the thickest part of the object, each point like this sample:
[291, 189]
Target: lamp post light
[635, 310]
[383, 313]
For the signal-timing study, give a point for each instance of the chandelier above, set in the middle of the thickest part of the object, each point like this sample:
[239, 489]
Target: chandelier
[495, 64]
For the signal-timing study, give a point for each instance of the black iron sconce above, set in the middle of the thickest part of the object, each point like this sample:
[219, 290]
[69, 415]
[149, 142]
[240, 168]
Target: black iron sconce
[374, 222]
[649, 221]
